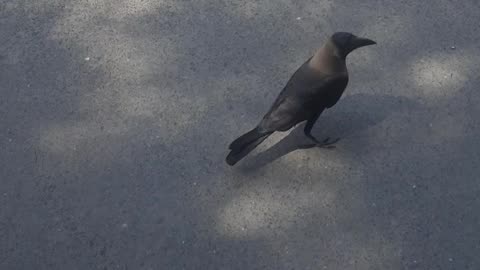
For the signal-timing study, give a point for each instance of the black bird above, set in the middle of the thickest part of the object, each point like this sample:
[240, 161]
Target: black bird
[317, 85]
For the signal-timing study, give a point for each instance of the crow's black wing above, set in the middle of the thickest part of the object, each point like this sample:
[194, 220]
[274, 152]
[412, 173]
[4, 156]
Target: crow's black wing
[304, 95]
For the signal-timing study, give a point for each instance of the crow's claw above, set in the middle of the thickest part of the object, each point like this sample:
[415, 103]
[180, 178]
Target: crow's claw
[327, 143]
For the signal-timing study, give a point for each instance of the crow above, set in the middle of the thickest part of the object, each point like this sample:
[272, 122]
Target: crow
[317, 85]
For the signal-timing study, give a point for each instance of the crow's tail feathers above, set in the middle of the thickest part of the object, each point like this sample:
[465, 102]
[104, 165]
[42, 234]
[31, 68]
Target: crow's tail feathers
[244, 145]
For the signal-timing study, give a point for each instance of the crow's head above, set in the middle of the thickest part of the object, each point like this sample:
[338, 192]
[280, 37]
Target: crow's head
[347, 42]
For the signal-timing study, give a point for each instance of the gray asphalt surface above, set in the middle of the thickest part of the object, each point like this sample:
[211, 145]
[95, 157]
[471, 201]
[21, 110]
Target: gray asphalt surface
[115, 117]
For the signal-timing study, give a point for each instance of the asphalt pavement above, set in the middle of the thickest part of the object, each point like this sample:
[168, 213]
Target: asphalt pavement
[115, 119]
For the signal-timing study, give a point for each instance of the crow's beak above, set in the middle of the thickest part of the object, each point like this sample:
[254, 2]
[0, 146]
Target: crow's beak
[360, 42]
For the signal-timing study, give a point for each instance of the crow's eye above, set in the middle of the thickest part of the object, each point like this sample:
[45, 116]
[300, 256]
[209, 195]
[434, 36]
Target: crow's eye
[349, 39]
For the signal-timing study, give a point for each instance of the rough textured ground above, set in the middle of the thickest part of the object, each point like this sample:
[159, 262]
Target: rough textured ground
[115, 118]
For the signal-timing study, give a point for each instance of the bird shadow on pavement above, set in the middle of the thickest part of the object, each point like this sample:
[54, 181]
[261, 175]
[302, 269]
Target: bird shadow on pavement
[353, 114]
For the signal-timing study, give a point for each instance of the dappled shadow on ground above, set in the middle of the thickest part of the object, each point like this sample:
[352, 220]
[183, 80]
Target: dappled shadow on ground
[117, 116]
